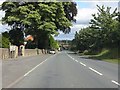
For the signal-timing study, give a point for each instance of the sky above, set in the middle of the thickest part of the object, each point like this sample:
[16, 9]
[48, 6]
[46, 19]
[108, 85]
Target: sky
[85, 10]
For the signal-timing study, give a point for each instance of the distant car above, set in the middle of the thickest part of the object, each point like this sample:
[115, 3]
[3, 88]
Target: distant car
[52, 52]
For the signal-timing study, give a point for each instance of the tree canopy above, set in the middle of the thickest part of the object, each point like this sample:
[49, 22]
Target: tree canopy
[103, 31]
[38, 18]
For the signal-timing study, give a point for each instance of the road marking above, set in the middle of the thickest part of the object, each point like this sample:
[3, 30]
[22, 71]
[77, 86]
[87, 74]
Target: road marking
[72, 58]
[38, 65]
[115, 82]
[85, 65]
[16, 81]
[76, 60]
[20, 78]
[34, 68]
[82, 63]
[95, 71]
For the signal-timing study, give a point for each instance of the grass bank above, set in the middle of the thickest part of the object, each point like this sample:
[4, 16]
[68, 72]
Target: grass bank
[108, 55]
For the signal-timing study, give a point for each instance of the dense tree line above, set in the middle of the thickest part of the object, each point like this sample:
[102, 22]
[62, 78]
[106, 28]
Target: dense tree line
[39, 19]
[103, 32]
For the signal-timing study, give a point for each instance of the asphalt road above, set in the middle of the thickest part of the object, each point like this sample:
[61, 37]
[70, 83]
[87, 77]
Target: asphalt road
[67, 70]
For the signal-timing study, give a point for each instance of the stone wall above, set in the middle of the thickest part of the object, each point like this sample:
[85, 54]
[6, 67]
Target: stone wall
[30, 52]
[5, 54]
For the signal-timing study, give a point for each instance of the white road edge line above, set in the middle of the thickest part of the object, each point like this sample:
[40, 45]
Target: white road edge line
[33, 68]
[37, 66]
[95, 71]
[115, 82]
[20, 78]
[82, 63]
[10, 85]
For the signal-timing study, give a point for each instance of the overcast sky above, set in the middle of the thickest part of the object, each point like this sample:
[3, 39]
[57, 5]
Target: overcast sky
[85, 11]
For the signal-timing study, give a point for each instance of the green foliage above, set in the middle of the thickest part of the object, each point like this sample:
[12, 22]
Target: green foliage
[107, 25]
[70, 10]
[16, 37]
[103, 32]
[37, 18]
[5, 40]
[109, 55]
[53, 43]
[101, 39]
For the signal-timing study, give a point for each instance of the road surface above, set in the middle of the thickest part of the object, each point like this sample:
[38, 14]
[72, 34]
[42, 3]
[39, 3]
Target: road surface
[67, 70]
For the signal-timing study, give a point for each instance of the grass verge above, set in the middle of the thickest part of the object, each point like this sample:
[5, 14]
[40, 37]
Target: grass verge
[108, 55]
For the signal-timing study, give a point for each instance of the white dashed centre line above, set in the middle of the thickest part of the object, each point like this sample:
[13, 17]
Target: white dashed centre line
[82, 64]
[115, 82]
[95, 71]
[76, 60]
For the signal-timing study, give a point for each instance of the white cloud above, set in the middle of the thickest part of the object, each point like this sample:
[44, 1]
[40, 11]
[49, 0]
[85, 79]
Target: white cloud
[2, 14]
[1, 1]
[112, 4]
[2, 27]
[77, 27]
[84, 15]
[65, 37]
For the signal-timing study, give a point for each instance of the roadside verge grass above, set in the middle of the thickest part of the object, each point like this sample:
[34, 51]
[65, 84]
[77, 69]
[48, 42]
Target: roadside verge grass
[108, 55]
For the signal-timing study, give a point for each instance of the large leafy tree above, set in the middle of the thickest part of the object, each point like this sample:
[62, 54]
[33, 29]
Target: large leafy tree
[40, 19]
[107, 25]
[103, 31]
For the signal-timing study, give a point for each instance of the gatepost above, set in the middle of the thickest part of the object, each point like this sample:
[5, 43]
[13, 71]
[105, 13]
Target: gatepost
[13, 51]
[22, 49]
